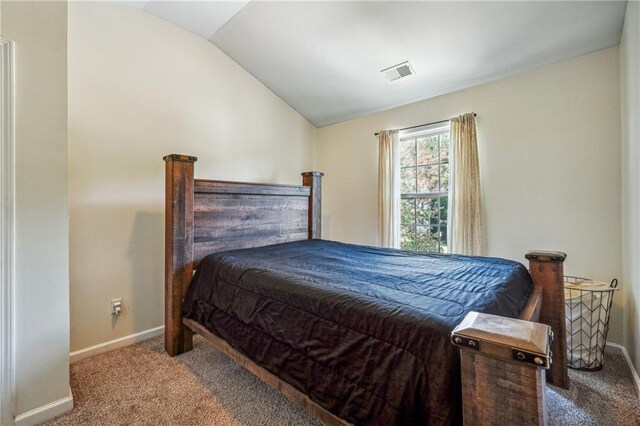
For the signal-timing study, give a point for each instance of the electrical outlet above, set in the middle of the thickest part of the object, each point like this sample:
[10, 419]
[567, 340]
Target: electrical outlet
[116, 306]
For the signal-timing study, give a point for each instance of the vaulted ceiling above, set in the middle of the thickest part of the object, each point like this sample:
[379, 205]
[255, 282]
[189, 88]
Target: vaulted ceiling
[324, 58]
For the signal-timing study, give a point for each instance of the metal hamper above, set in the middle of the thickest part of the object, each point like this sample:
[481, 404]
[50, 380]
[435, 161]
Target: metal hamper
[587, 312]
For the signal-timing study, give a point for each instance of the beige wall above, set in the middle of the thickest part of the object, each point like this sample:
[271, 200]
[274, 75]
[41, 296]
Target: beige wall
[630, 94]
[549, 143]
[140, 88]
[39, 31]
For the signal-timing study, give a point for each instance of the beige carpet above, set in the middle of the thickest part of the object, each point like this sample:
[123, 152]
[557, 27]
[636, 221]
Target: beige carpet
[141, 385]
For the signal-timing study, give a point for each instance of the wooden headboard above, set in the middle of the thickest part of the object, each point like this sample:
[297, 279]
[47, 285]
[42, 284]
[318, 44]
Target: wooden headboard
[207, 216]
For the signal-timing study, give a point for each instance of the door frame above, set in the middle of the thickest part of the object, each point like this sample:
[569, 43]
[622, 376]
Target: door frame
[7, 231]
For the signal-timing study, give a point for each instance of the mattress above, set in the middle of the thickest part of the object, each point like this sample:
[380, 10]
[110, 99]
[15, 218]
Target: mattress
[363, 331]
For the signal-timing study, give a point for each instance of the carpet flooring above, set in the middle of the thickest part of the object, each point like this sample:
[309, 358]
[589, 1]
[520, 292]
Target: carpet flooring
[141, 385]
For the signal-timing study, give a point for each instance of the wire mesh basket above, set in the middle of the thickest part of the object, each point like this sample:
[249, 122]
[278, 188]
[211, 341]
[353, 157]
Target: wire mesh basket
[587, 312]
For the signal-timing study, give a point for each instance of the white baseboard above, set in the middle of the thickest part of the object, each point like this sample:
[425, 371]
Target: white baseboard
[46, 412]
[115, 344]
[615, 348]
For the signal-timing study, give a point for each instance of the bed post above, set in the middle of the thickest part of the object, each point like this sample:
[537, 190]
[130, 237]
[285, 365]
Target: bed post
[546, 269]
[314, 181]
[178, 254]
[503, 362]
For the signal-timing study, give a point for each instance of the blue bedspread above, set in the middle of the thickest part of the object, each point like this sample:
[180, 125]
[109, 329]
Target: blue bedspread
[364, 331]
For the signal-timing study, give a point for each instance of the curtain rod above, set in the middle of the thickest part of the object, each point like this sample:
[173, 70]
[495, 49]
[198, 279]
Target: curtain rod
[422, 125]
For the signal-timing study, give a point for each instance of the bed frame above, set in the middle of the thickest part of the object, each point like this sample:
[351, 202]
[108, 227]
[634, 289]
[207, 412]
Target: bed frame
[206, 216]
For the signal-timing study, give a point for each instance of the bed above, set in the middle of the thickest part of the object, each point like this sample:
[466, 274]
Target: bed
[356, 334]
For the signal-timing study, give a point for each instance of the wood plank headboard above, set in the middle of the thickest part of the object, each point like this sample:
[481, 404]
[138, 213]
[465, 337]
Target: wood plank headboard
[207, 216]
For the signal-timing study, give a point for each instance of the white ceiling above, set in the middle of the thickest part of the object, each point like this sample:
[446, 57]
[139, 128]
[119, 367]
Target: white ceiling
[324, 58]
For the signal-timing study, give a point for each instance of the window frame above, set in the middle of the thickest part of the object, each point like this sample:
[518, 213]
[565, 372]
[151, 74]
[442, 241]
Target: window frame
[441, 224]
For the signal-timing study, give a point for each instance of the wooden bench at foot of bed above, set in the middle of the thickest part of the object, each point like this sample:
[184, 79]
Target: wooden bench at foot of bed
[201, 218]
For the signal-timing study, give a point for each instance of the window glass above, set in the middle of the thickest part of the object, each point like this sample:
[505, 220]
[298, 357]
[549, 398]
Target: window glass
[424, 176]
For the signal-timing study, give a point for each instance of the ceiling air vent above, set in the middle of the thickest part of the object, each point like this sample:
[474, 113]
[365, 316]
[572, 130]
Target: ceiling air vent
[398, 71]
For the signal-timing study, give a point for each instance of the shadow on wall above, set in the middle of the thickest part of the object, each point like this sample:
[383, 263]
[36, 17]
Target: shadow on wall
[326, 227]
[633, 332]
[146, 257]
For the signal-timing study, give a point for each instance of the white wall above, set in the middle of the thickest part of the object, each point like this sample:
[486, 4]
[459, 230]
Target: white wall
[39, 30]
[549, 143]
[140, 88]
[630, 97]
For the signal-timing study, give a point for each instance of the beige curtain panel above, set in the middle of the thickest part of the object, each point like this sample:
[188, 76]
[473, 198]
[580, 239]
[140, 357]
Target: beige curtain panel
[465, 201]
[389, 189]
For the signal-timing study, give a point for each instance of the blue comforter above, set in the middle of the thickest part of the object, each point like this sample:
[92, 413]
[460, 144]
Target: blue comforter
[364, 331]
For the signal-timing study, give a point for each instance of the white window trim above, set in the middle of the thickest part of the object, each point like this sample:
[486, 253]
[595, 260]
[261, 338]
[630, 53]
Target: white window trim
[7, 246]
[422, 131]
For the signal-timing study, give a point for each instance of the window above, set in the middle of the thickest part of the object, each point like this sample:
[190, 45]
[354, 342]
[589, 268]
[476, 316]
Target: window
[424, 187]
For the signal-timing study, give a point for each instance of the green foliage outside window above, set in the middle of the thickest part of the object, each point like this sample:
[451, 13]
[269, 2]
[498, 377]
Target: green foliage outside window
[424, 177]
